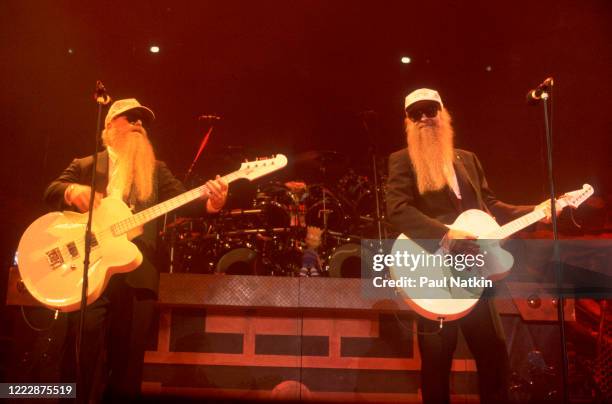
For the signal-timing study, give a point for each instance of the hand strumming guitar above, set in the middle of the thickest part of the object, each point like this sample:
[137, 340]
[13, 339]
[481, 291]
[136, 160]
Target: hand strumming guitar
[459, 242]
[78, 196]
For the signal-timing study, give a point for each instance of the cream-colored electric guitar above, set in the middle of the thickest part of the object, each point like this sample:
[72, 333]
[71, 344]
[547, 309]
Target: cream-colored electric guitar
[440, 292]
[51, 249]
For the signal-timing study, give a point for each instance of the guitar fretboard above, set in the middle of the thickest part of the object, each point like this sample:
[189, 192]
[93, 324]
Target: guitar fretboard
[158, 210]
[516, 225]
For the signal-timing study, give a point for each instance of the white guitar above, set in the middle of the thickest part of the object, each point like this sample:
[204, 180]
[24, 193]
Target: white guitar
[51, 250]
[440, 291]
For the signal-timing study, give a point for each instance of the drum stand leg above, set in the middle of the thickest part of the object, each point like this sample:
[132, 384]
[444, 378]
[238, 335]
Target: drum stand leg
[172, 242]
[382, 232]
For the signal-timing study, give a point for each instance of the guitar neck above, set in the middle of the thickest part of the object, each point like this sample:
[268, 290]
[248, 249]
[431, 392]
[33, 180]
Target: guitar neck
[516, 225]
[161, 209]
[573, 199]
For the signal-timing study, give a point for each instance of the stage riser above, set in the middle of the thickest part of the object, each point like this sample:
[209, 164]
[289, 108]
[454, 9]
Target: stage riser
[270, 337]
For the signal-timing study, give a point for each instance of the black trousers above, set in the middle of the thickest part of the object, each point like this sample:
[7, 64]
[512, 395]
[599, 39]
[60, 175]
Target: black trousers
[115, 331]
[484, 336]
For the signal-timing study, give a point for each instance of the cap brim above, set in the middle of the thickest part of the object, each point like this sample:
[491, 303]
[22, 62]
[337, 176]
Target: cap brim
[421, 102]
[147, 114]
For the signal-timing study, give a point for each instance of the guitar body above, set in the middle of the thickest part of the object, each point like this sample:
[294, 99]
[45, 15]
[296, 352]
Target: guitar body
[450, 302]
[52, 249]
[479, 223]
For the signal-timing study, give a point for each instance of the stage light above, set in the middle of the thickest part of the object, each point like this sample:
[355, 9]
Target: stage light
[70, 51]
[406, 60]
[154, 49]
[488, 68]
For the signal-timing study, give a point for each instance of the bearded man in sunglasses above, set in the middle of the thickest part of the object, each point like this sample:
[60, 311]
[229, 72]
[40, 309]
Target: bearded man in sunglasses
[430, 183]
[119, 321]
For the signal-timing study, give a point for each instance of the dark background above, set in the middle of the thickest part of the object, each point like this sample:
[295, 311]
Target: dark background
[291, 76]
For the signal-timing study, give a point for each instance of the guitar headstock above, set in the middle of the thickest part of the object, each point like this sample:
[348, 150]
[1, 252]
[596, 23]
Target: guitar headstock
[575, 198]
[258, 168]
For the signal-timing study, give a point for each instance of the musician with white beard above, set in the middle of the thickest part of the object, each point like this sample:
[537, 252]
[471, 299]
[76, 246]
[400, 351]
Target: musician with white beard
[121, 318]
[430, 183]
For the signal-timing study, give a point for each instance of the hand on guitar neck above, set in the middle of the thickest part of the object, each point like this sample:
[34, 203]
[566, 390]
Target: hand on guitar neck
[217, 194]
[545, 206]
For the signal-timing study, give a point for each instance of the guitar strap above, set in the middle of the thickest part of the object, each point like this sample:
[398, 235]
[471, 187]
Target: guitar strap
[131, 199]
[468, 194]
[468, 199]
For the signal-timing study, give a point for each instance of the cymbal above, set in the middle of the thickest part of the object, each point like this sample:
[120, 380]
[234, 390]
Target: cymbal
[320, 165]
[321, 157]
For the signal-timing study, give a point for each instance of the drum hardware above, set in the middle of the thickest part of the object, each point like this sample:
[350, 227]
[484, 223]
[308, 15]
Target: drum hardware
[327, 211]
[188, 243]
[372, 128]
[276, 230]
[172, 244]
[242, 212]
[358, 189]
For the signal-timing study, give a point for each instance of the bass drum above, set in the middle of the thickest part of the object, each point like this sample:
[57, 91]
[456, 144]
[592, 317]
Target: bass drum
[237, 257]
[344, 261]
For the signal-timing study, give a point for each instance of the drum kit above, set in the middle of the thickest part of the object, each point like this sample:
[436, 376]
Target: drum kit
[273, 233]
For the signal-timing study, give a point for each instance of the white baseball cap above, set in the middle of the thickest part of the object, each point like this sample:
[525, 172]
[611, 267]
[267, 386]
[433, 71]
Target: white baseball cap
[127, 104]
[422, 94]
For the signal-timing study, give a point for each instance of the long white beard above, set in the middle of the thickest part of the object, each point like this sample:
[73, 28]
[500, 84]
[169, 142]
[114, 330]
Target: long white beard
[135, 161]
[431, 152]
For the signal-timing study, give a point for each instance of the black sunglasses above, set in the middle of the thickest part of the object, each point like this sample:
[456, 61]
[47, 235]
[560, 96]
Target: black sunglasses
[430, 111]
[134, 115]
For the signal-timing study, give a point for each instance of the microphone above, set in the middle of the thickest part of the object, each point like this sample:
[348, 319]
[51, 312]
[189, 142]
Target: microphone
[209, 118]
[100, 95]
[535, 95]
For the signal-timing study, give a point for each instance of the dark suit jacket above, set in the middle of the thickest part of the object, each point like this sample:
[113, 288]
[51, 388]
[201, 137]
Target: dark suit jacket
[424, 216]
[165, 186]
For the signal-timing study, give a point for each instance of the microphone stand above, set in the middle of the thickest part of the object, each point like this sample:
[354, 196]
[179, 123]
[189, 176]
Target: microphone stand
[546, 94]
[210, 119]
[102, 98]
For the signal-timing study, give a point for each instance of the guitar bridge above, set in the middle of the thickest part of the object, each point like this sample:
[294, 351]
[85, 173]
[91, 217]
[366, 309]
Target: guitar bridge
[54, 257]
